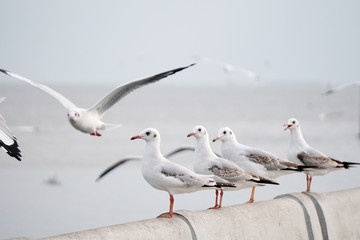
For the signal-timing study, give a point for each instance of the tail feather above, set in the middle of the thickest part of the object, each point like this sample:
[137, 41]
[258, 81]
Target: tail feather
[111, 126]
[345, 165]
[221, 185]
[349, 164]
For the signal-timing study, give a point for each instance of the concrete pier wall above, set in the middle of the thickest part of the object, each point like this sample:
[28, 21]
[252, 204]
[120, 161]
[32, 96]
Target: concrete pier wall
[333, 215]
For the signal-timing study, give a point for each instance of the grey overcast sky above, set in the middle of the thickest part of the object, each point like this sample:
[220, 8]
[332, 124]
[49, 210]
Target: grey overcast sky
[93, 41]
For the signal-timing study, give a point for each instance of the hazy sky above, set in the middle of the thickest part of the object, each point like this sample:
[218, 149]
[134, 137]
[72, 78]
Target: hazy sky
[93, 41]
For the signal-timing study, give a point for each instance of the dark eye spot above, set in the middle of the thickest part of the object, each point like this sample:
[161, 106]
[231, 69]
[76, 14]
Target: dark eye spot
[293, 122]
[147, 133]
[155, 135]
[230, 132]
[199, 129]
[224, 132]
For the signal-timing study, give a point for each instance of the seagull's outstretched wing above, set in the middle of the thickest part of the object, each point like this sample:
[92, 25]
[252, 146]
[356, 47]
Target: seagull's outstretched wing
[181, 149]
[63, 100]
[138, 158]
[117, 164]
[341, 87]
[8, 141]
[121, 91]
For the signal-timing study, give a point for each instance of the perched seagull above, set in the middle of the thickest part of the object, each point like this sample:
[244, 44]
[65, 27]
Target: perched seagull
[167, 176]
[207, 162]
[253, 160]
[228, 68]
[300, 152]
[139, 158]
[88, 120]
[344, 86]
[8, 141]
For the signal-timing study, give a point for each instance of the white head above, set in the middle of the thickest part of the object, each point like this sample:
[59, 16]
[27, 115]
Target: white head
[225, 134]
[148, 134]
[292, 124]
[73, 115]
[198, 132]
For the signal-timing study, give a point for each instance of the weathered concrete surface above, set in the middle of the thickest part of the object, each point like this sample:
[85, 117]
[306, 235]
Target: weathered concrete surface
[334, 215]
[159, 228]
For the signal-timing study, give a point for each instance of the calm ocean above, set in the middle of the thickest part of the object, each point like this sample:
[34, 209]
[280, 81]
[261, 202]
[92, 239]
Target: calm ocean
[31, 207]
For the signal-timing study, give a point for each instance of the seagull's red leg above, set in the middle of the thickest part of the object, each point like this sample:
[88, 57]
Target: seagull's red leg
[310, 179]
[171, 213]
[308, 183]
[221, 195]
[251, 200]
[95, 134]
[216, 200]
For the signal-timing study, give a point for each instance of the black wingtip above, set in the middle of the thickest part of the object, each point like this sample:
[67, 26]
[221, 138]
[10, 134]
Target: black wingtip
[348, 165]
[4, 71]
[265, 181]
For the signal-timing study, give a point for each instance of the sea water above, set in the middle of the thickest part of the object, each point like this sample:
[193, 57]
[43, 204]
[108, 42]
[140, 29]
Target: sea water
[32, 207]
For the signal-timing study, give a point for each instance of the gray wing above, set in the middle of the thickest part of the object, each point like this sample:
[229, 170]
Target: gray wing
[60, 98]
[228, 173]
[316, 160]
[269, 162]
[8, 141]
[121, 91]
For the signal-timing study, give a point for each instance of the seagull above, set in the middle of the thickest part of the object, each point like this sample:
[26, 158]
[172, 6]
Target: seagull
[167, 176]
[89, 120]
[8, 141]
[228, 68]
[52, 179]
[344, 86]
[208, 163]
[256, 161]
[300, 152]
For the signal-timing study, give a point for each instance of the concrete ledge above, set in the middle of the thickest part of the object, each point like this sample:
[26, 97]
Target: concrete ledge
[334, 215]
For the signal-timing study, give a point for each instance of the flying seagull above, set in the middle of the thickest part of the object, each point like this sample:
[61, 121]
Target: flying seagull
[89, 120]
[345, 86]
[228, 68]
[8, 141]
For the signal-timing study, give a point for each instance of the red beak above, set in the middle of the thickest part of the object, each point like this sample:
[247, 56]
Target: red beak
[191, 134]
[216, 139]
[287, 126]
[135, 137]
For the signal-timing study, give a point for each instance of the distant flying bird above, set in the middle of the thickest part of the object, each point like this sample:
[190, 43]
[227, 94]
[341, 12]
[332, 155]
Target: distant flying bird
[300, 152]
[8, 141]
[228, 68]
[344, 86]
[52, 179]
[88, 120]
